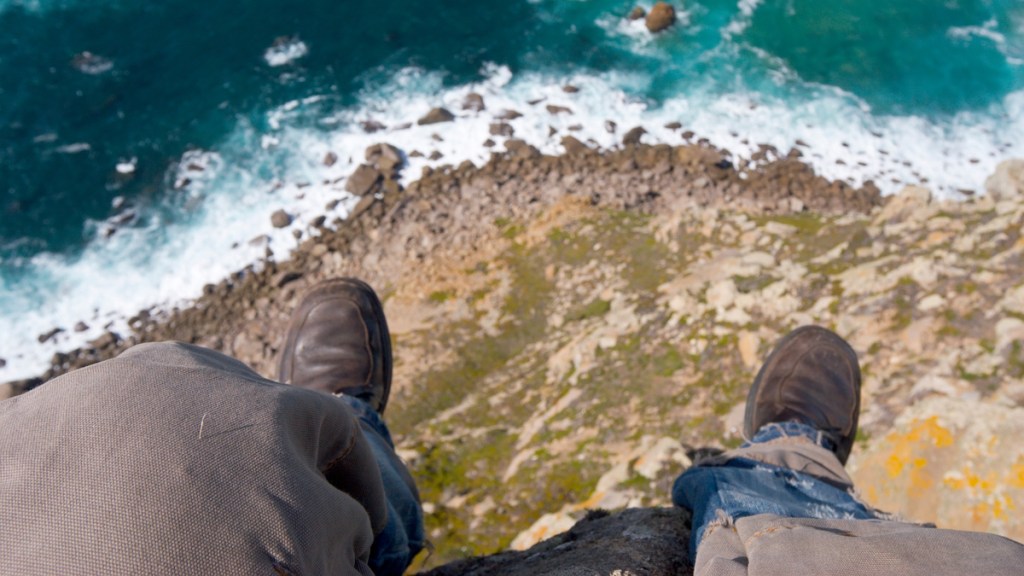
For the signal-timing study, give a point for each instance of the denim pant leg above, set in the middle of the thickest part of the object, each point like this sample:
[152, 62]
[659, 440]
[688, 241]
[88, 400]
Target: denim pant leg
[736, 487]
[403, 536]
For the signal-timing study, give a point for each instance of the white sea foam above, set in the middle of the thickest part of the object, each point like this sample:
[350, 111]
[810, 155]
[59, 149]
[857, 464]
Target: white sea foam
[743, 18]
[219, 219]
[986, 30]
[284, 51]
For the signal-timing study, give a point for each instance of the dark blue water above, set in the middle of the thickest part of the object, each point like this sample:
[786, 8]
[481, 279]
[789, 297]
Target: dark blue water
[177, 76]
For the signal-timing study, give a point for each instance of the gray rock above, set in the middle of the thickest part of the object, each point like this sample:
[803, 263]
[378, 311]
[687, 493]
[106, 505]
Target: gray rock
[650, 541]
[570, 89]
[280, 219]
[363, 180]
[330, 159]
[436, 116]
[554, 109]
[47, 336]
[81, 327]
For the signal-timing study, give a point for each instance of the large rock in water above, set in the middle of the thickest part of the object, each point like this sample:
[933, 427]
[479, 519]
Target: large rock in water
[649, 541]
[1007, 182]
[436, 116]
[661, 16]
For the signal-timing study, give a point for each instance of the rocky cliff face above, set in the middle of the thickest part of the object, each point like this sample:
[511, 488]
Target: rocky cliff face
[568, 330]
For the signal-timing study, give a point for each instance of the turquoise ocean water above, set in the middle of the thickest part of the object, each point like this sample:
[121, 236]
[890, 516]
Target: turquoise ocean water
[143, 146]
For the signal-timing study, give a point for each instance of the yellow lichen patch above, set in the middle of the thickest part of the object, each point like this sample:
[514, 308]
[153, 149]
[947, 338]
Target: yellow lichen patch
[894, 465]
[1015, 478]
[904, 445]
[931, 429]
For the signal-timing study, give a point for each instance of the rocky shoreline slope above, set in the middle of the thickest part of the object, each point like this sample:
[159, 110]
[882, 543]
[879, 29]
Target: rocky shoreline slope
[570, 329]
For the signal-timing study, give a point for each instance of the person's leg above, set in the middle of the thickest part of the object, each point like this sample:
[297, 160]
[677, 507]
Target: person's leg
[403, 537]
[801, 419]
[338, 343]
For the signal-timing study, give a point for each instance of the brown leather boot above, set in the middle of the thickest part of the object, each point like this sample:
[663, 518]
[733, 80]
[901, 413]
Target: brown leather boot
[338, 341]
[811, 376]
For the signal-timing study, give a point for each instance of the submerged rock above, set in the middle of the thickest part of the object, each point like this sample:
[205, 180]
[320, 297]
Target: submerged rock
[636, 13]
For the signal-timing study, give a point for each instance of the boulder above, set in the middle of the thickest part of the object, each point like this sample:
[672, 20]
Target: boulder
[632, 138]
[554, 109]
[570, 89]
[280, 219]
[1007, 182]
[956, 462]
[330, 159]
[502, 129]
[905, 205]
[49, 335]
[106, 340]
[363, 180]
[384, 156]
[371, 126]
[509, 115]
[636, 13]
[661, 16]
[573, 145]
[633, 541]
[474, 102]
[436, 116]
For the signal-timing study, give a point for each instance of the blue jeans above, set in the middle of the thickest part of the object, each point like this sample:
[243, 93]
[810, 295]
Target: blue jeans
[742, 487]
[402, 538]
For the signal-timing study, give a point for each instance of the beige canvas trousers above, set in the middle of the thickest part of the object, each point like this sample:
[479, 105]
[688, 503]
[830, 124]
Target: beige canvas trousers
[768, 545]
[173, 459]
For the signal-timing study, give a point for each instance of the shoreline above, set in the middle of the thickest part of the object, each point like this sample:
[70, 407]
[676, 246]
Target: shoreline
[698, 173]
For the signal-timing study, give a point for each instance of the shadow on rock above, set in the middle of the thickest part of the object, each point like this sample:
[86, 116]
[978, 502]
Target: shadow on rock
[638, 541]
